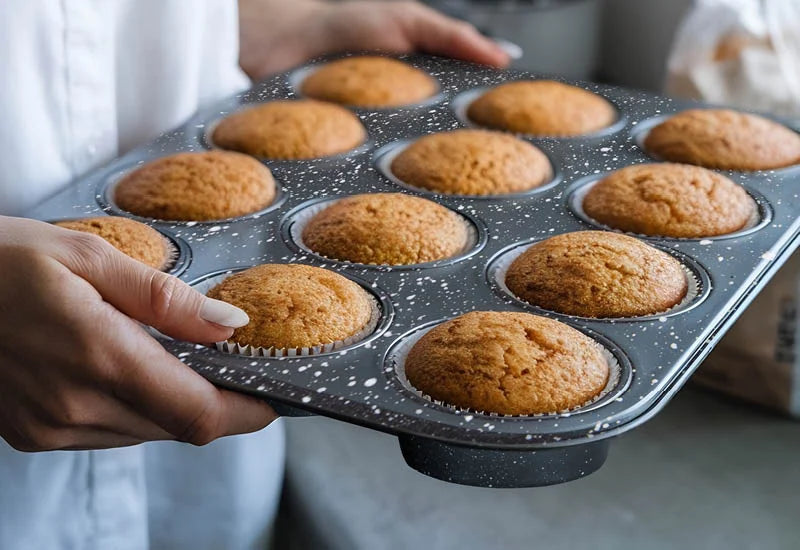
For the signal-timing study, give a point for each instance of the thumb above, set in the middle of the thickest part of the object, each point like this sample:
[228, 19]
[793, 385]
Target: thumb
[150, 296]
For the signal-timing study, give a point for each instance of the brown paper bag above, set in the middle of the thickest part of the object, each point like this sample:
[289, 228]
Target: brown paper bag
[757, 359]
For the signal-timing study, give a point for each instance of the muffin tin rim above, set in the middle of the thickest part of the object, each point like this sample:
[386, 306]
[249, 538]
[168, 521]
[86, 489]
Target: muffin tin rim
[381, 297]
[641, 129]
[763, 209]
[460, 103]
[688, 263]
[104, 196]
[626, 374]
[384, 155]
[285, 227]
[295, 78]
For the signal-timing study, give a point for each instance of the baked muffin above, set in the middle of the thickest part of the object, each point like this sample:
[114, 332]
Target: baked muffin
[724, 139]
[669, 200]
[139, 241]
[210, 185]
[472, 162]
[507, 363]
[369, 81]
[386, 228]
[290, 130]
[597, 274]
[542, 108]
[295, 306]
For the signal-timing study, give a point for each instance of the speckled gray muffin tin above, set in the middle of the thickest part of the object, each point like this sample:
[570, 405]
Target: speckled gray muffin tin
[360, 385]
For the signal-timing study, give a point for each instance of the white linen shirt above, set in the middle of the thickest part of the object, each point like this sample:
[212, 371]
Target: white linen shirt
[82, 81]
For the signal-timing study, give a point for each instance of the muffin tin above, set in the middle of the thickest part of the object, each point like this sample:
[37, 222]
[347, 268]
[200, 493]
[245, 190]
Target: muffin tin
[360, 383]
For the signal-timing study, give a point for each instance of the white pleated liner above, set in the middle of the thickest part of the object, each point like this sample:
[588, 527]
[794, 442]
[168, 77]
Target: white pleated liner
[255, 351]
[500, 265]
[400, 353]
[304, 216]
[579, 195]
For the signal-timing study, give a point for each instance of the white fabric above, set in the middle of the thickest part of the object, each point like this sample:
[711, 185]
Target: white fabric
[81, 81]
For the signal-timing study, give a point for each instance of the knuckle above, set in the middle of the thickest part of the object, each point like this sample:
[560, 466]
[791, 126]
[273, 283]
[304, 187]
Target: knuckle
[165, 292]
[87, 250]
[203, 428]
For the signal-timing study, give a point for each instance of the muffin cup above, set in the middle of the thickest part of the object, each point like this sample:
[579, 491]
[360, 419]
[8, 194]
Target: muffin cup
[614, 384]
[696, 291]
[760, 216]
[178, 253]
[298, 76]
[107, 188]
[305, 214]
[207, 139]
[462, 101]
[235, 348]
[640, 132]
[384, 157]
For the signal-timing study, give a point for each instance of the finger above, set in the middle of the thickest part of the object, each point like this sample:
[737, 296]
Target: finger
[170, 394]
[150, 296]
[437, 34]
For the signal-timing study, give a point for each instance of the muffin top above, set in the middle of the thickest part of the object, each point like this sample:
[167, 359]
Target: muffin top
[386, 228]
[139, 241]
[724, 139]
[209, 185]
[472, 162]
[507, 363]
[290, 130]
[669, 200]
[542, 108]
[295, 306]
[597, 274]
[369, 81]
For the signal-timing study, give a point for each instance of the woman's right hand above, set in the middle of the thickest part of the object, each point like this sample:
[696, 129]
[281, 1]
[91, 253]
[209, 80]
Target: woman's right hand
[76, 369]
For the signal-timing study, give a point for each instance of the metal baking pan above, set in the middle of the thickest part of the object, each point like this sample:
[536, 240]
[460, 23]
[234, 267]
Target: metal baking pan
[361, 385]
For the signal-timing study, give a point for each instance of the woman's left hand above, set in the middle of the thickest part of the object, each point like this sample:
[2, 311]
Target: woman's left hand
[276, 34]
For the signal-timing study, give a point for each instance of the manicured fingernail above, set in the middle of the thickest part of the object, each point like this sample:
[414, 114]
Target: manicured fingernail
[511, 50]
[223, 313]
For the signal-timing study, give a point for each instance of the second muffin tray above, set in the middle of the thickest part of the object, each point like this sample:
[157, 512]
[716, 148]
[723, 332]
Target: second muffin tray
[361, 384]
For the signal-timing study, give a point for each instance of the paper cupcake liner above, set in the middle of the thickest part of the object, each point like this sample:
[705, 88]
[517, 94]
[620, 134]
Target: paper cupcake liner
[578, 195]
[386, 155]
[304, 216]
[235, 348]
[400, 354]
[500, 265]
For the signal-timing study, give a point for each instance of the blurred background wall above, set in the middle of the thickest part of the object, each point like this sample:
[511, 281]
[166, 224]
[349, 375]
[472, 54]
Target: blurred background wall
[620, 41]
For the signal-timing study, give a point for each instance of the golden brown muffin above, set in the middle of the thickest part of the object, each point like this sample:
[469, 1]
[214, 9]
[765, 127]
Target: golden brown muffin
[507, 363]
[369, 81]
[386, 228]
[294, 306]
[210, 185]
[597, 274]
[472, 162]
[542, 108]
[290, 130]
[139, 241]
[724, 139]
[669, 200]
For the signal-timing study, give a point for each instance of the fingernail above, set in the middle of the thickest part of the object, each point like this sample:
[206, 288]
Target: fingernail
[223, 313]
[512, 50]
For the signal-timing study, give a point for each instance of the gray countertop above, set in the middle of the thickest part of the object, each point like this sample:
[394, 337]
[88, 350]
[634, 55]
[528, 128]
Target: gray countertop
[706, 473]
